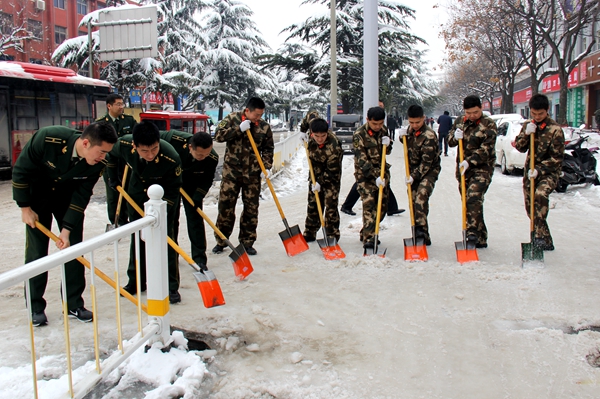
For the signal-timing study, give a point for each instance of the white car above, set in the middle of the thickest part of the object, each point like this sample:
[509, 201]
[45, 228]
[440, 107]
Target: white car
[507, 156]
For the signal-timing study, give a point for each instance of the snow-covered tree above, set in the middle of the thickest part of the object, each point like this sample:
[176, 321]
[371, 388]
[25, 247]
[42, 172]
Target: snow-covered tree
[395, 46]
[234, 42]
[11, 35]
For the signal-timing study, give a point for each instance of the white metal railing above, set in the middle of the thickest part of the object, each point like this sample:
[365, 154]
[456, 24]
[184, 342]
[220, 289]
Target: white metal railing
[153, 228]
[285, 151]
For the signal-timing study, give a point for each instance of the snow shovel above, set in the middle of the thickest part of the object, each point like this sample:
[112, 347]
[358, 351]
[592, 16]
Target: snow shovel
[207, 281]
[97, 271]
[292, 238]
[329, 246]
[376, 250]
[239, 258]
[530, 251]
[110, 227]
[414, 248]
[464, 252]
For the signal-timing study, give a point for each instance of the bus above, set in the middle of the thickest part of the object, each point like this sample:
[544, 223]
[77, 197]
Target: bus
[33, 96]
[184, 121]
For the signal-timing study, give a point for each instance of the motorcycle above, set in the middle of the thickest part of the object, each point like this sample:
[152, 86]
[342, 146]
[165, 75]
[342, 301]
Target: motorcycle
[579, 166]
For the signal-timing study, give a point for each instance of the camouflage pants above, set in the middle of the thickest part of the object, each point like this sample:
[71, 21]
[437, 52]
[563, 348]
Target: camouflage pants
[421, 191]
[477, 184]
[543, 188]
[329, 197]
[369, 195]
[228, 196]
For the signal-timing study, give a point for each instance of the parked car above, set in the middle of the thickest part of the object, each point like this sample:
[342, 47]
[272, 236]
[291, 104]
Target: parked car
[344, 126]
[507, 156]
[500, 118]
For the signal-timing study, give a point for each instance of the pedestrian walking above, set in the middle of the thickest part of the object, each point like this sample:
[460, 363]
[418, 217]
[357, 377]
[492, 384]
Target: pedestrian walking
[54, 177]
[478, 133]
[549, 149]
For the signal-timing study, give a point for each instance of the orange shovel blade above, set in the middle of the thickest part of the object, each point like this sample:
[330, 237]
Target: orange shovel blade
[242, 266]
[209, 289]
[464, 255]
[333, 252]
[414, 252]
[295, 244]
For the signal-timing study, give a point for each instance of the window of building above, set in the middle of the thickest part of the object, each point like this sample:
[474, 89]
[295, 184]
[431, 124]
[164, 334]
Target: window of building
[82, 7]
[35, 28]
[100, 6]
[60, 34]
[36, 61]
[59, 4]
[7, 23]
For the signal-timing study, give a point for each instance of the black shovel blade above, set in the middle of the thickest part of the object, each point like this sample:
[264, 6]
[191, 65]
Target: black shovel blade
[531, 253]
[328, 242]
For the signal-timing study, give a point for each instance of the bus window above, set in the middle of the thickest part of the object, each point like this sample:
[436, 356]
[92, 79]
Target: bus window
[68, 110]
[187, 126]
[24, 110]
[46, 109]
[176, 124]
[200, 125]
[160, 124]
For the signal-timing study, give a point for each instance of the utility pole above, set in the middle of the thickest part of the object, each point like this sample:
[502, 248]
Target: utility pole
[370, 57]
[333, 48]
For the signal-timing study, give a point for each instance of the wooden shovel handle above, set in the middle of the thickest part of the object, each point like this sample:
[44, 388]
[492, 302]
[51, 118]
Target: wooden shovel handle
[97, 271]
[204, 215]
[380, 199]
[531, 182]
[408, 187]
[262, 167]
[120, 201]
[463, 185]
[312, 178]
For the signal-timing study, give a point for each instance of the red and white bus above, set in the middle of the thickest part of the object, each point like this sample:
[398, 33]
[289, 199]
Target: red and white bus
[33, 96]
[184, 121]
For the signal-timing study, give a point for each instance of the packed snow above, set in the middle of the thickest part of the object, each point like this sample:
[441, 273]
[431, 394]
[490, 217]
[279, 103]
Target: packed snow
[362, 327]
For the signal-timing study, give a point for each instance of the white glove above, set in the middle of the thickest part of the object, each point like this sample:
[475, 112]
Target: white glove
[409, 180]
[531, 128]
[245, 125]
[262, 175]
[380, 182]
[304, 137]
[385, 140]
[315, 187]
[403, 132]
[459, 134]
[463, 166]
[532, 173]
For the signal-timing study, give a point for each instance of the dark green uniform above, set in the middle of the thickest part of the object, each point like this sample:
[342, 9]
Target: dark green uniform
[479, 143]
[165, 170]
[50, 180]
[241, 172]
[326, 160]
[123, 125]
[425, 167]
[367, 168]
[198, 177]
[549, 150]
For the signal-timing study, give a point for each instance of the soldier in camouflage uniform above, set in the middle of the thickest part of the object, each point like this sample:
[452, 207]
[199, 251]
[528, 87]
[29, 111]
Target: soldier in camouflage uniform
[549, 148]
[241, 171]
[123, 125]
[199, 161]
[310, 116]
[325, 151]
[152, 161]
[368, 143]
[424, 166]
[54, 176]
[478, 133]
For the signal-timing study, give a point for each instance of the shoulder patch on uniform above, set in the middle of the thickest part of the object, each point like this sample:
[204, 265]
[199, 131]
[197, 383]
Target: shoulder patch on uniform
[178, 171]
[223, 123]
[53, 140]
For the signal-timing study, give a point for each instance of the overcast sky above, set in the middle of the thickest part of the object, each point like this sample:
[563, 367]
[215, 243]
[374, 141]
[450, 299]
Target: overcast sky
[273, 16]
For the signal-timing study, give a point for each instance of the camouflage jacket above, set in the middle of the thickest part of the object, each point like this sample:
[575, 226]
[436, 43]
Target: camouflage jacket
[326, 160]
[549, 147]
[423, 153]
[197, 176]
[47, 164]
[240, 161]
[305, 125]
[479, 144]
[165, 170]
[123, 124]
[368, 152]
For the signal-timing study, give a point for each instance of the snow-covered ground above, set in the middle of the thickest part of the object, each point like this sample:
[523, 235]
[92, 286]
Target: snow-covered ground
[304, 327]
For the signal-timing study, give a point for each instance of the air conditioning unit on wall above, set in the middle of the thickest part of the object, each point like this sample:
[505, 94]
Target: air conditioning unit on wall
[40, 5]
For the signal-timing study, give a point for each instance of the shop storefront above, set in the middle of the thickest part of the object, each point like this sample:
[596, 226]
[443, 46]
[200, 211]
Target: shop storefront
[589, 79]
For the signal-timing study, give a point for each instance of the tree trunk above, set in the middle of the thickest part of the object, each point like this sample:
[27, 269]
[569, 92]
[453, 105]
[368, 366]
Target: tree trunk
[561, 118]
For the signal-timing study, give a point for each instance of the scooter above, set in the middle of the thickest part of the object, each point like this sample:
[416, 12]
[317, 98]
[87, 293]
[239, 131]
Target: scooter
[579, 166]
